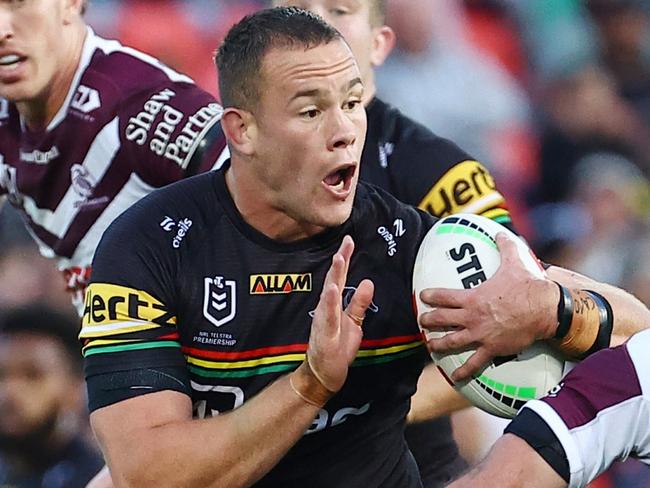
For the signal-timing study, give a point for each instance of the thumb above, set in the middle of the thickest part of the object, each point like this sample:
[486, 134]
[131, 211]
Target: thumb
[507, 248]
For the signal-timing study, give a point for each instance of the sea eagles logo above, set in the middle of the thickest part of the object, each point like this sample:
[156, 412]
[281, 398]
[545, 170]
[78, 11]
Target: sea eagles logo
[219, 300]
[82, 181]
[83, 185]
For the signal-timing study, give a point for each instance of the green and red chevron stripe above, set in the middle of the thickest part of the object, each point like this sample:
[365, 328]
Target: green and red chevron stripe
[243, 364]
[105, 346]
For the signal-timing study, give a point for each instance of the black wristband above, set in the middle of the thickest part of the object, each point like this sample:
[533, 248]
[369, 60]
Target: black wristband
[606, 323]
[564, 312]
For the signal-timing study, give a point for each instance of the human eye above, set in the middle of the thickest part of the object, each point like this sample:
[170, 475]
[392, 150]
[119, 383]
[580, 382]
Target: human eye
[339, 11]
[310, 113]
[352, 104]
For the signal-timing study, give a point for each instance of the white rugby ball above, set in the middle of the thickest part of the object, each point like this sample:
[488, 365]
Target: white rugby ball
[458, 252]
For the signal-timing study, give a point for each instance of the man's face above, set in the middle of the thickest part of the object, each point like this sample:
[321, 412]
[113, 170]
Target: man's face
[352, 19]
[309, 128]
[36, 384]
[31, 42]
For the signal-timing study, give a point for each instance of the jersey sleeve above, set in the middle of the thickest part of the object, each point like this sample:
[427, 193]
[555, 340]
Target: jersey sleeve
[129, 323]
[171, 132]
[450, 181]
[600, 412]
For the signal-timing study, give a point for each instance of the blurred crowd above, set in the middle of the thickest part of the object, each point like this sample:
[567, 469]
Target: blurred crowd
[552, 95]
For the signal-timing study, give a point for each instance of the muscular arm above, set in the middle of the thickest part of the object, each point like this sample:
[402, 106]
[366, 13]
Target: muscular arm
[152, 440]
[511, 463]
[630, 314]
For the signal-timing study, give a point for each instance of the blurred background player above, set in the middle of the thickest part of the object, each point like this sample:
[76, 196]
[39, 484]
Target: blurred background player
[88, 127]
[598, 414]
[43, 418]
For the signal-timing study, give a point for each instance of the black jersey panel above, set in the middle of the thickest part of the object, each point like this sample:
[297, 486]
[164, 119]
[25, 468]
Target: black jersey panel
[181, 277]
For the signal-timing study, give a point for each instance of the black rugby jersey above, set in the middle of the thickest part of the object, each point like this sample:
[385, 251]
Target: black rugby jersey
[180, 280]
[421, 169]
[432, 173]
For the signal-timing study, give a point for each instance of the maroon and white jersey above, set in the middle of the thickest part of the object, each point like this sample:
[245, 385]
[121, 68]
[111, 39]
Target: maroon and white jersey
[128, 125]
[600, 412]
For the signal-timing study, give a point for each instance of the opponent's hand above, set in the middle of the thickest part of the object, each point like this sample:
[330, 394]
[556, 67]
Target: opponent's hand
[336, 333]
[501, 317]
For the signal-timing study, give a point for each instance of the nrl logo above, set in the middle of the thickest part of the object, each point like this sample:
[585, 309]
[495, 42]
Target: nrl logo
[219, 300]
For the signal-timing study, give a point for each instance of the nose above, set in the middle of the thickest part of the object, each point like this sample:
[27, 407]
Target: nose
[344, 131]
[6, 29]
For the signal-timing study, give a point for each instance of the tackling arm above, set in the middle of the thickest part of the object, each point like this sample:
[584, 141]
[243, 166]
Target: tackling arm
[630, 314]
[511, 463]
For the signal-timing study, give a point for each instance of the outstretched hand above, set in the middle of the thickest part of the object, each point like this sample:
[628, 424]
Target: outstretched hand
[336, 333]
[501, 317]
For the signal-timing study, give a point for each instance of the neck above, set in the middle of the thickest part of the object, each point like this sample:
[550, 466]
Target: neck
[39, 112]
[254, 201]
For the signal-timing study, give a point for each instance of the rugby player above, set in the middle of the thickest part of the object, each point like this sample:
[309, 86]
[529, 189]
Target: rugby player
[216, 319]
[87, 127]
[427, 171]
[598, 414]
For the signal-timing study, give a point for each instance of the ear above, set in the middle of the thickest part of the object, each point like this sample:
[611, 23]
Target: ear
[383, 42]
[240, 129]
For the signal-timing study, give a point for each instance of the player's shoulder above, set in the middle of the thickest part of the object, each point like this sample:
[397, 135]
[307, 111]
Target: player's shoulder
[120, 73]
[408, 137]
[192, 198]
[378, 208]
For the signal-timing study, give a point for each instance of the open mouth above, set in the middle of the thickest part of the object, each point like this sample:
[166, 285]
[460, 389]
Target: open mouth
[11, 60]
[340, 180]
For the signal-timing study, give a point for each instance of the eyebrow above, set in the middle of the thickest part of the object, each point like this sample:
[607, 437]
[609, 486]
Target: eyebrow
[316, 92]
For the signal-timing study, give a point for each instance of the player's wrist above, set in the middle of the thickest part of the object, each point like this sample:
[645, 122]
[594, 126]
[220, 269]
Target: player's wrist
[584, 322]
[308, 387]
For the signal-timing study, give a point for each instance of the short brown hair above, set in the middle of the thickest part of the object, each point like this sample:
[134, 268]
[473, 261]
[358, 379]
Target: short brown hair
[239, 59]
[84, 6]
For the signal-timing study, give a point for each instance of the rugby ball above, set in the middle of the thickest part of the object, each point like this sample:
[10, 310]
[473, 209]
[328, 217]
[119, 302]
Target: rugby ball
[458, 252]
